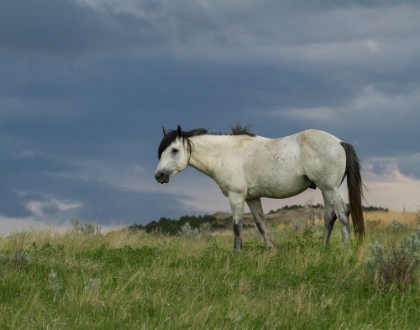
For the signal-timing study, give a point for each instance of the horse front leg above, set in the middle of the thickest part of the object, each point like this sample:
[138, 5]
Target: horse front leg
[236, 202]
[258, 214]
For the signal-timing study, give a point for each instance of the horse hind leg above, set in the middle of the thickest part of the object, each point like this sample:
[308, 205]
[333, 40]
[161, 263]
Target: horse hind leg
[329, 219]
[335, 208]
[258, 214]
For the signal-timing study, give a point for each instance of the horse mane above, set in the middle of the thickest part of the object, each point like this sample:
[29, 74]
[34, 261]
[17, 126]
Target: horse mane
[172, 134]
[239, 130]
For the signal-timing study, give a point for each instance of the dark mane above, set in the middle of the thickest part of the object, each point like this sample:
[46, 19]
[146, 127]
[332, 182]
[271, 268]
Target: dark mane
[172, 134]
[239, 130]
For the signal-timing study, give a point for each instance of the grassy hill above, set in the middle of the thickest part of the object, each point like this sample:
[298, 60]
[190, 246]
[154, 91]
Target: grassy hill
[134, 280]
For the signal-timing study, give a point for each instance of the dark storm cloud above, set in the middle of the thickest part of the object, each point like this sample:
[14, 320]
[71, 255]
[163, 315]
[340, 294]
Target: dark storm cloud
[410, 165]
[79, 26]
[161, 89]
[69, 28]
[101, 203]
[44, 25]
[43, 180]
[11, 204]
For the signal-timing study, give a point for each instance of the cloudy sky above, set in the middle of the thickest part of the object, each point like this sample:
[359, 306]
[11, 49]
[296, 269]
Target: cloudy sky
[86, 86]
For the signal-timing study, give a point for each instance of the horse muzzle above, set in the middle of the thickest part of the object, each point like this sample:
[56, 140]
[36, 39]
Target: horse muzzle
[162, 177]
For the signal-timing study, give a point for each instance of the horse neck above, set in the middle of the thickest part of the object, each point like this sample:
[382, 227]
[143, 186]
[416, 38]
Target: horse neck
[206, 151]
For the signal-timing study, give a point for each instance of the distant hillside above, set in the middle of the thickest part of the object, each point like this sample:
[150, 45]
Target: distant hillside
[223, 220]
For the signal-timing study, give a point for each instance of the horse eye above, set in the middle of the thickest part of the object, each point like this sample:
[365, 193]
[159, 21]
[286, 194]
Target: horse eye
[174, 151]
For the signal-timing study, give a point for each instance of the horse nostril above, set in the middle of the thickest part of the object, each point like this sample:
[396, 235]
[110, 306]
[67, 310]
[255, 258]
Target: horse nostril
[161, 177]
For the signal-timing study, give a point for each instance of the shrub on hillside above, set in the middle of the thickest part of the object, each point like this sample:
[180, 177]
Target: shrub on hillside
[55, 284]
[85, 228]
[188, 231]
[3, 259]
[397, 264]
[313, 213]
[173, 227]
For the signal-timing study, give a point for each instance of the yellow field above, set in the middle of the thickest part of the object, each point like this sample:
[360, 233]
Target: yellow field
[383, 219]
[373, 219]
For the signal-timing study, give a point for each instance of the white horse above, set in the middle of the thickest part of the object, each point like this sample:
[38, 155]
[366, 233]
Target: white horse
[247, 167]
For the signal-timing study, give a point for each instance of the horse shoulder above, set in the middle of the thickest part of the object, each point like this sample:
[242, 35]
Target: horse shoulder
[228, 174]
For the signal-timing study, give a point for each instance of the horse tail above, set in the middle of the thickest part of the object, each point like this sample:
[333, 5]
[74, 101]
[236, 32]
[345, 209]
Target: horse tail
[355, 189]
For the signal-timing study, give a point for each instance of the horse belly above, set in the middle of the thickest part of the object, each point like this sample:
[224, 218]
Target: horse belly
[280, 189]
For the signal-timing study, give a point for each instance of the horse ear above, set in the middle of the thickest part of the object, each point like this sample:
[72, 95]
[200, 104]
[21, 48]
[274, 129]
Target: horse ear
[164, 132]
[179, 131]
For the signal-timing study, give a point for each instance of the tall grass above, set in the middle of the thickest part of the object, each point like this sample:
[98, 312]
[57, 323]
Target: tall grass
[125, 280]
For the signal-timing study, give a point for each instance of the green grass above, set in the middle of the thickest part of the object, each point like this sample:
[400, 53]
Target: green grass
[124, 280]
